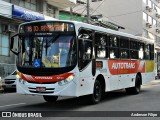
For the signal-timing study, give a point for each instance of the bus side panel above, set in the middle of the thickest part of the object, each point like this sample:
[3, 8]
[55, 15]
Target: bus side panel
[102, 69]
[149, 74]
[86, 81]
[126, 80]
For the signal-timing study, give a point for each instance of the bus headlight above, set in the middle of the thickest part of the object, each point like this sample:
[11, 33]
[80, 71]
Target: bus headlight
[18, 75]
[66, 81]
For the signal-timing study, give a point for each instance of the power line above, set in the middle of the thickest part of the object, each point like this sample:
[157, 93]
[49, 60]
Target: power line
[118, 22]
[80, 8]
[98, 7]
[126, 13]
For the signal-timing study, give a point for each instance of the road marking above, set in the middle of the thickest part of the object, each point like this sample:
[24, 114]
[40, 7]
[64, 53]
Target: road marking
[12, 105]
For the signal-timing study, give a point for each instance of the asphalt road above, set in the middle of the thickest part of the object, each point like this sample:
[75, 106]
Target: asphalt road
[113, 104]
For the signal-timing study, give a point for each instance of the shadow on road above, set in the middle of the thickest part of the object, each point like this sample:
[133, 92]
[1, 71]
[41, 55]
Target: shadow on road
[71, 104]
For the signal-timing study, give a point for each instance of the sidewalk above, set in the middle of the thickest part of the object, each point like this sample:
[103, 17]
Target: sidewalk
[153, 82]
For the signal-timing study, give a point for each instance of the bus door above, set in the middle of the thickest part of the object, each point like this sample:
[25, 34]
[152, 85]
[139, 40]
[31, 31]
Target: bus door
[85, 59]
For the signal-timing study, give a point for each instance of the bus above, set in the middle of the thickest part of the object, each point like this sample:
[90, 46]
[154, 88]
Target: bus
[69, 58]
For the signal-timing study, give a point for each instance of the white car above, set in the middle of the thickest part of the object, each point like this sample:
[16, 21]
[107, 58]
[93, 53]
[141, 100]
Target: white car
[9, 82]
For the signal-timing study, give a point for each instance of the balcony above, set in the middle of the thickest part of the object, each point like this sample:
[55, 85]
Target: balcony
[61, 4]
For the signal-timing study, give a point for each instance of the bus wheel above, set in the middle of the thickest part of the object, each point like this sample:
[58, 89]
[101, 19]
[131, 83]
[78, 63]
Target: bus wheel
[50, 99]
[97, 93]
[136, 89]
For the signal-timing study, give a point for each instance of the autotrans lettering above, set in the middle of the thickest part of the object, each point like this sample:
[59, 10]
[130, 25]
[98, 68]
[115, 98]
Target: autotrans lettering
[123, 65]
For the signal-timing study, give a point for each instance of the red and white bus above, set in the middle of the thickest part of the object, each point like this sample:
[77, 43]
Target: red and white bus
[67, 58]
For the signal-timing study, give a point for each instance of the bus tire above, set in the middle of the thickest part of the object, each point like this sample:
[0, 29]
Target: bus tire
[136, 89]
[50, 99]
[97, 93]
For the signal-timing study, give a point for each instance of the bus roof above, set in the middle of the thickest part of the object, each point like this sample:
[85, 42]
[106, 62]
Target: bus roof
[98, 28]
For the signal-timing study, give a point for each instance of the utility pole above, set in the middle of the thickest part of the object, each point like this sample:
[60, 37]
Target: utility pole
[71, 13]
[88, 14]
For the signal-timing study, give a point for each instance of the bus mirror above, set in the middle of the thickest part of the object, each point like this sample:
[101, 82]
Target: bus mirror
[12, 45]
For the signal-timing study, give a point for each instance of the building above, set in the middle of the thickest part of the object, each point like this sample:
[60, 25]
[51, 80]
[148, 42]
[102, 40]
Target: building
[138, 17]
[78, 12]
[15, 12]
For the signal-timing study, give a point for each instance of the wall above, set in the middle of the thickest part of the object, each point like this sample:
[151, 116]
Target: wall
[126, 13]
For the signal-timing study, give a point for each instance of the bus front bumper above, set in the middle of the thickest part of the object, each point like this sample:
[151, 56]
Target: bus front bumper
[24, 87]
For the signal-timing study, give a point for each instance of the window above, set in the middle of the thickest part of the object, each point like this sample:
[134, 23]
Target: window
[15, 2]
[133, 54]
[145, 1]
[133, 45]
[150, 19]
[101, 45]
[133, 49]
[124, 46]
[4, 45]
[85, 48]
[29, 4]
[158, 10]
[154, 22]
[152, 51]
[140, 46]
[124, 53]
[113, 46]
[155, 8]
[124, 42]
[113, 41]
[113, 53]
[145, 16]
[100, 39]
[147, 52]
[150, 3]
[100, 52]
[140, 50]
[50, 11]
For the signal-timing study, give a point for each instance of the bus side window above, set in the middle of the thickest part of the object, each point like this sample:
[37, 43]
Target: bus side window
[140, 50]
[147, 52]
[113, 41]
[124, 48]
[133, 49]
[114, 53]
[101, 45]
[152, 51]
[113, 47]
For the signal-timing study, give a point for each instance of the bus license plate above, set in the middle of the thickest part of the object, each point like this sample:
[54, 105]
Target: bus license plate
[40, 89]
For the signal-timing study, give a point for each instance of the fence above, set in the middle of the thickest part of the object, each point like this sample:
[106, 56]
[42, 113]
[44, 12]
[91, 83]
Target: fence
[6, 69]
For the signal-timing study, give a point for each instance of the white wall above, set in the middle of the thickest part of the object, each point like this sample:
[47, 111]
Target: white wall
[126, 13]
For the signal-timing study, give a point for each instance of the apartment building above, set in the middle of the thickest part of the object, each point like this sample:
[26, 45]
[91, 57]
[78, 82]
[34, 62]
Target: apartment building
[138, 17]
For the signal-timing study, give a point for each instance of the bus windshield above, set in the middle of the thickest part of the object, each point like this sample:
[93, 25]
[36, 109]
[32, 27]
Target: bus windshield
[47, 49]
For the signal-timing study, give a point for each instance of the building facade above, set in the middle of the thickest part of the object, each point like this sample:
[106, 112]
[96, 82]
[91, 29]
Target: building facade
[15, 12]
[138, 17]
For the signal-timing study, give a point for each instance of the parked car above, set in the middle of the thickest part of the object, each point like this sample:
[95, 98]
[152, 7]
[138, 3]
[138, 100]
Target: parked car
[9, 82]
